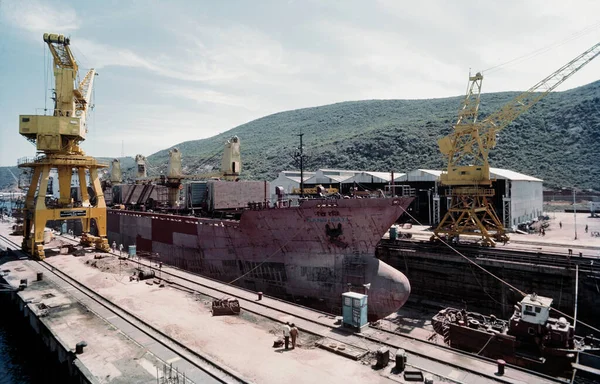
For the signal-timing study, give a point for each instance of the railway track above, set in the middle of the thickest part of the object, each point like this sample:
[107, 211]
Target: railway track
[214, 371]
[188, 285]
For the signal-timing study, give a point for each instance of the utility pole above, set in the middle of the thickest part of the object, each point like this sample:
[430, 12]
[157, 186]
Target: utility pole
[574, 213]
[301, 166]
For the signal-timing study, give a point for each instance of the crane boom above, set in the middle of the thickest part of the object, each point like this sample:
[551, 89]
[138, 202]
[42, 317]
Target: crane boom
[520, 104]
[467, 149]
[468, 146]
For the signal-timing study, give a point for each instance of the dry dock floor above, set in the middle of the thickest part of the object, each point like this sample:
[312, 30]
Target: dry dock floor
[243, 343]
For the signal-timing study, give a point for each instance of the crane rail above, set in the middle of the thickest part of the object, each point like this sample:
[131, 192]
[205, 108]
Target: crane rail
[215, 371]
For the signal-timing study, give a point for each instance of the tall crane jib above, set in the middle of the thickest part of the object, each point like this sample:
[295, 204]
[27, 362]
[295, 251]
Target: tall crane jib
[467, 149]
[57, 138]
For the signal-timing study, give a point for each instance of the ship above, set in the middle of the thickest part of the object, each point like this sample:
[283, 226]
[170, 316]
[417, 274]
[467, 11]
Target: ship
[309, 252]
[530, 338]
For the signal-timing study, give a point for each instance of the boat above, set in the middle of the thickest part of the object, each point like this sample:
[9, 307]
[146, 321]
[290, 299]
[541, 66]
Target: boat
[309, 251]
[530, 338]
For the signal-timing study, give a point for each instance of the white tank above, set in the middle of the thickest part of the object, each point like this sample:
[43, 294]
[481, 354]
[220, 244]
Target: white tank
[48, 236]
[141, 166]
[115, 172]
[174, 163]
[232, 161]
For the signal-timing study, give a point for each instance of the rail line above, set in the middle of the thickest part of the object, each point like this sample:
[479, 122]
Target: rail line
[221, 288]
[213, 370]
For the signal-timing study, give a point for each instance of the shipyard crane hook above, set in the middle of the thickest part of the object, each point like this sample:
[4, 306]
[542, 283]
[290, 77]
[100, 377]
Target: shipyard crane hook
[467, 149]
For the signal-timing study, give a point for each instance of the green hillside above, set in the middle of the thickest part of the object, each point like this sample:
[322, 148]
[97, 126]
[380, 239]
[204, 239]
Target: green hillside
[557, 140]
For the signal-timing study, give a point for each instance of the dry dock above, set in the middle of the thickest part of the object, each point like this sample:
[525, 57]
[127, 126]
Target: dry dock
[134, 329]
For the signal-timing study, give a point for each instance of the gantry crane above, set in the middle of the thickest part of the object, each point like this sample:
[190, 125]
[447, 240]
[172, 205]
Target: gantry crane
[57, 138]
[467, 149]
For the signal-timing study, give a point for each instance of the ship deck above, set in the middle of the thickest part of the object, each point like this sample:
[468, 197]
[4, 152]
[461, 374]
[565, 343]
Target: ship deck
[239, 348]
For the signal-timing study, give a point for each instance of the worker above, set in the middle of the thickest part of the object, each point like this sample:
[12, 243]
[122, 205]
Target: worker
[114, 246]
[586, 228]
[286, 334]
[294, 334]
[560, 224]
[120, 249]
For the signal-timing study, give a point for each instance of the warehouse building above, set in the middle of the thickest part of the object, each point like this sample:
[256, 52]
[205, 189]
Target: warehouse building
[518, 197]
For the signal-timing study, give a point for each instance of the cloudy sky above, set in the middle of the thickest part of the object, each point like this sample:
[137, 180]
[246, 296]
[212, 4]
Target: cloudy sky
[171, 71]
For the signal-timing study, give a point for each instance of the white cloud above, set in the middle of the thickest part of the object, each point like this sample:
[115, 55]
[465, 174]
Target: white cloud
[36, 17]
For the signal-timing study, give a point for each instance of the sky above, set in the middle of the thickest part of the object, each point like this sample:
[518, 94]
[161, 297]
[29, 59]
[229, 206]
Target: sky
[173, 71]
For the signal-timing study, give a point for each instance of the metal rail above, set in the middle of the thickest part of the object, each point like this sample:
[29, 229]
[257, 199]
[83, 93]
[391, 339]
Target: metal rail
[210, 367]
[148, 264]
[179, 286]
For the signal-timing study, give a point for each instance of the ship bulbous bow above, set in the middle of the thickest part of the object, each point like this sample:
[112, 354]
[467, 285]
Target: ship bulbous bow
[389, 289]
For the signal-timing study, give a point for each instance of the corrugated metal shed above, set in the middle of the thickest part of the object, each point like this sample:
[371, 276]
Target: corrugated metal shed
[373, 177]
[495, 173]
[507, 174]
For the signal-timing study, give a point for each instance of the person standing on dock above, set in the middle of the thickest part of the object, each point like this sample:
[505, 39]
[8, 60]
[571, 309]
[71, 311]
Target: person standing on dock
[286, 334]
[560, 224]
[586, 228]
[294, 334]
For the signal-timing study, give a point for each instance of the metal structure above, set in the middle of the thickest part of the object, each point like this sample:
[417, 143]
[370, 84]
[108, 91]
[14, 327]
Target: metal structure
[57, 138]
[231, 166]
[467, 148]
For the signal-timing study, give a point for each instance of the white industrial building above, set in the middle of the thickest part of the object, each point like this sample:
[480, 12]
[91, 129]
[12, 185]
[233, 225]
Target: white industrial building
[288, 180]
[518, 197]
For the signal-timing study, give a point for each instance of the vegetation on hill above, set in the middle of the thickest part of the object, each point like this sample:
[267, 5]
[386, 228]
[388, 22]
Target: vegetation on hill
[557, 140]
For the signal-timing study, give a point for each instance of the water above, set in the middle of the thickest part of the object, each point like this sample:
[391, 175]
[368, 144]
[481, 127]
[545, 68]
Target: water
[24, 359]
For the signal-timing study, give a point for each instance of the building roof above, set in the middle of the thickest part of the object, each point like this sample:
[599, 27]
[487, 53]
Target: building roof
[511, 175]
[498, 173]
[384, 176]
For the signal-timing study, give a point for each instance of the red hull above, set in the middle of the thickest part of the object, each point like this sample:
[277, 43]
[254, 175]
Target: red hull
[312, 252]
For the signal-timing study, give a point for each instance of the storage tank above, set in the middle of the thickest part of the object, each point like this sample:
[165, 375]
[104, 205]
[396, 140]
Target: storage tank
[115, 172]
[174, 163]
[232, 160]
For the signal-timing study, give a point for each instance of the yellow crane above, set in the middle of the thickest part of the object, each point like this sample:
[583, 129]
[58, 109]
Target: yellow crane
[467, 149]
[57, 138]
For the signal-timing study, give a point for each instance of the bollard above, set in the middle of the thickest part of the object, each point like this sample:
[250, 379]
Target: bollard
[40, 276]
[501, 365]
[79, 347]
[24, 282]
[260, 296]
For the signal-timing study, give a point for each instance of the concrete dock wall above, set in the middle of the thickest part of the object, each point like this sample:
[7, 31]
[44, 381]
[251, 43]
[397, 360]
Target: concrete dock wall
[438, 276]
[65, 358]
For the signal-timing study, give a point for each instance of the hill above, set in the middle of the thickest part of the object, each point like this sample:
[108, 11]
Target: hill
[557, 140]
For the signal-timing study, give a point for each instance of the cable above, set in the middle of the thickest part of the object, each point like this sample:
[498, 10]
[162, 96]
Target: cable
[45, 81]
[547, 48]
[496, 277]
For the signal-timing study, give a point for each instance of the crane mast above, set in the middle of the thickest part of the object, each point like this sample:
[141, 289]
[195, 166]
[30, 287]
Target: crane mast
[57, 138]
[467, 149]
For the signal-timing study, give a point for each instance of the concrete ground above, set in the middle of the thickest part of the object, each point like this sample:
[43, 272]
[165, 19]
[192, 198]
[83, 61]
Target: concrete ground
[556, 239]
[244, 343]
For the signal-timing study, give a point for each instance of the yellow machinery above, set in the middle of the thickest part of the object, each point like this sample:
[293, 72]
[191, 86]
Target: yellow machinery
[57, 139]
[467, 148]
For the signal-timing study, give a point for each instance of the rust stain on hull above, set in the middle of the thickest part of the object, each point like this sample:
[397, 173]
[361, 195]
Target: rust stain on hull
[311, 252]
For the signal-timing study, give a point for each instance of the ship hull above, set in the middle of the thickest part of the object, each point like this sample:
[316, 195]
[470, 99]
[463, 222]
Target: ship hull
[312, 253]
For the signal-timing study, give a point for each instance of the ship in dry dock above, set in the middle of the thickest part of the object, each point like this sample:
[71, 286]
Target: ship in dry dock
[309, 250]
